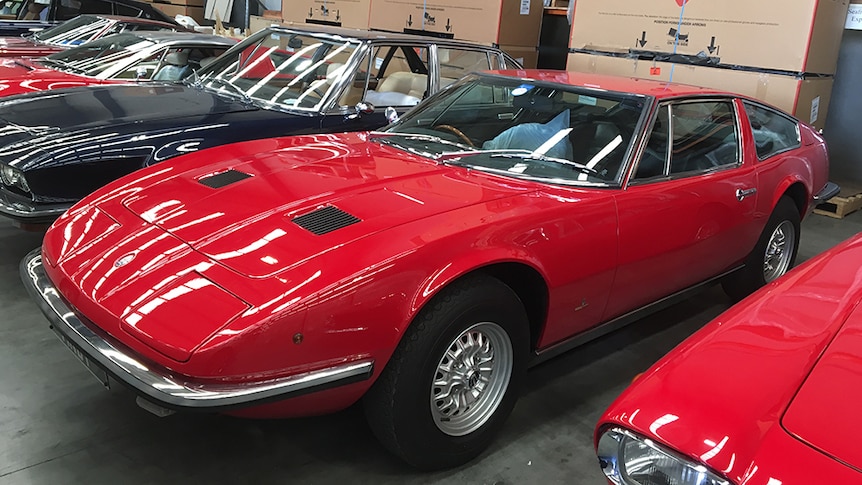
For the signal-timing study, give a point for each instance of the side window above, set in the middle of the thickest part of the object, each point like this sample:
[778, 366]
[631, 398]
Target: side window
[398, 76]
[455, 63]
[704, 136]
[773, 132]
[653, 162]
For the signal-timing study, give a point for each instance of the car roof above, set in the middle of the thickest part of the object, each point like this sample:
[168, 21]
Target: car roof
[373, 35]
[621, 84]
[131, 20]
[190, 37]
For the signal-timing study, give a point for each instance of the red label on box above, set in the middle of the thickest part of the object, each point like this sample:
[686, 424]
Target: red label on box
[655, 71]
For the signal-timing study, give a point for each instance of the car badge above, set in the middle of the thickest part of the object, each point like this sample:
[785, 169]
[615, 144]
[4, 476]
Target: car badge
[124, 260]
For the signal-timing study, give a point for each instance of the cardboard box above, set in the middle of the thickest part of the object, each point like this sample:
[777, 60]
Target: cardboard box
[257, 23]
[340, 13]
[190, 3]
[172, 10]
[807, 98]
[509, 22]
[527, 56]
[797, 36]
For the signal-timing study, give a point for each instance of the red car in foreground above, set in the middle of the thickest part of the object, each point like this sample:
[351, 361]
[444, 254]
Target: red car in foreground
[79, 30]
[766, 394]
[422, 269]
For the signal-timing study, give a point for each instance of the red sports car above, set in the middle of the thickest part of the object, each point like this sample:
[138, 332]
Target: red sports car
[119, 58]
[764, 395]
[509, 217]
[79, 30]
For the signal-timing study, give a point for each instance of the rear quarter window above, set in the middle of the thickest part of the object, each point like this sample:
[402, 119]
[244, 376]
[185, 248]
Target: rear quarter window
[773, 131]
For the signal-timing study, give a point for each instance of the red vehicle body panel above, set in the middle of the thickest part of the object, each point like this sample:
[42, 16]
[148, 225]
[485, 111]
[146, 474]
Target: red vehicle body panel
[352, 293]
[23, 47]
[20, 76]
[768, 390]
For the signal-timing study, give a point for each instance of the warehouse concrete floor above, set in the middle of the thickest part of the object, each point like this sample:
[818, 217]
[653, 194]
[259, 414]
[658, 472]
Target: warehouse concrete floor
[59, 426]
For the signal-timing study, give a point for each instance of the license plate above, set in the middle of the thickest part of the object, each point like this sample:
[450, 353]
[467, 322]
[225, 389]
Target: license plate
[91, 366]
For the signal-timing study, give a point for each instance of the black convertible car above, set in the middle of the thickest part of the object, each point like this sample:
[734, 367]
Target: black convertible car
[21, 16]
[58, 147]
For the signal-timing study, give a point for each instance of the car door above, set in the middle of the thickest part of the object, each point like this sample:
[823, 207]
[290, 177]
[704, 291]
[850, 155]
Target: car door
[688, 209]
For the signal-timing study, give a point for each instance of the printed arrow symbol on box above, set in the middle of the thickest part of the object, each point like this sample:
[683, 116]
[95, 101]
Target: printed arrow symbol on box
[410, 20]
[712, 48]
[642, 41]
[311, 12]
[448, 25]
[338, 15]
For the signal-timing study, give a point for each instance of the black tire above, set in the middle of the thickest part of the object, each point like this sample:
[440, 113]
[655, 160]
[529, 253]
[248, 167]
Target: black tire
[399, 406]
[755, 274]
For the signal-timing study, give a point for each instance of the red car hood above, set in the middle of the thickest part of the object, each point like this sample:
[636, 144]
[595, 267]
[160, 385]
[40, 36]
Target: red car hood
[18, 76]
[722, 395]
[21, 47]
[825, 412]
[372, 186]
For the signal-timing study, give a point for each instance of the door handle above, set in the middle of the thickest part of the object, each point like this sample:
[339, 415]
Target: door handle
[741, 194]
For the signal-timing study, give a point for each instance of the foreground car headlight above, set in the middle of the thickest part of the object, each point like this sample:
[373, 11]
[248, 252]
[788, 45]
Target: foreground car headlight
[13, 177]
[628, 459]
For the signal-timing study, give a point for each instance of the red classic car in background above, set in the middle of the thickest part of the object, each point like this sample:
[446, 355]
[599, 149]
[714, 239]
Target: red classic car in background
[508, 218]
[766, 394]
[79, 30]
[119, 58]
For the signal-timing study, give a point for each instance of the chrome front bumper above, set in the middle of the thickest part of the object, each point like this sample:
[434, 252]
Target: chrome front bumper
[28, 212]
[159, 385]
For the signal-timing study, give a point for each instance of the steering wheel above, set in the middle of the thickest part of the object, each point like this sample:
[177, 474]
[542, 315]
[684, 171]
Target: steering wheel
[455, 131]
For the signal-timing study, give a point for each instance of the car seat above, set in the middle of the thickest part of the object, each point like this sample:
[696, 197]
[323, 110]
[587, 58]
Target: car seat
[176, 67]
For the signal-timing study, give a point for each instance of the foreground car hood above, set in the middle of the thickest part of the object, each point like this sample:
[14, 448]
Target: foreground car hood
[83, 108]
[721, 396]
[825, 412]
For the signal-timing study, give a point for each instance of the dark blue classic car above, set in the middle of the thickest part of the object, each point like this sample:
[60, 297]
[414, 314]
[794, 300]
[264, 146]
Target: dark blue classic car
[56, 148]
[22, 16]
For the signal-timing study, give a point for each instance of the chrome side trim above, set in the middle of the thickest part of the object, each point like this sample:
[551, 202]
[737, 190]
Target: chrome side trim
[828, 191]
[158, 384]
[543, 355]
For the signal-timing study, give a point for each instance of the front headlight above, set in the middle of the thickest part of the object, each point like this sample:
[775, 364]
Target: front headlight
[13, 177]
[627, 459]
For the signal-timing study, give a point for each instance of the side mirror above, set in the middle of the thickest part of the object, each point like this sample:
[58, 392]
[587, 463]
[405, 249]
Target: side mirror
[363, 108]
[391, 114]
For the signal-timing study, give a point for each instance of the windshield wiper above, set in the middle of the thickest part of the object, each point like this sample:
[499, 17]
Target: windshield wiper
[529, 155]
[518, 153]
[236, 89]
[421, 137]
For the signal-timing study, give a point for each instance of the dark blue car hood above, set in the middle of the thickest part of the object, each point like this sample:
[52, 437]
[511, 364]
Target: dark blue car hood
[83, 108]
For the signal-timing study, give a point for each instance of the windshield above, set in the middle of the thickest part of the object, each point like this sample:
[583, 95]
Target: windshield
[294, 70]
[73, 32]
[101, 57]
[550, 132]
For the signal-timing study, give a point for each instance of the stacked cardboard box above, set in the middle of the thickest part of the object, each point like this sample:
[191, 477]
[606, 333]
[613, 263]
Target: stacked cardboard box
[191, 8]
[340, 13]
[783, 52]
[511, 24]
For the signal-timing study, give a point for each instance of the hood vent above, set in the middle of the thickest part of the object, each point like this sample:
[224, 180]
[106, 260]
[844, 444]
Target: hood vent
[325, 219]
[223, 179]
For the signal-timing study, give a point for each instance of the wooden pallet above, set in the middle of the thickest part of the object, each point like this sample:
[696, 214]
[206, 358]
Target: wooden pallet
[839, 207]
